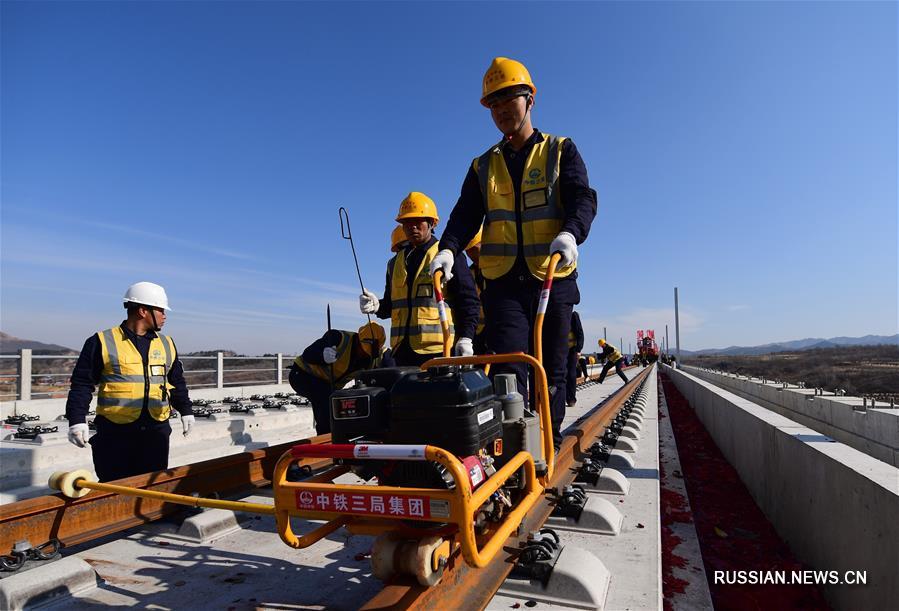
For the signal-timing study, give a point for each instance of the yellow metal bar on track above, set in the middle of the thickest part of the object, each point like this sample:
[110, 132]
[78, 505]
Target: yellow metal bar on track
[179, 499]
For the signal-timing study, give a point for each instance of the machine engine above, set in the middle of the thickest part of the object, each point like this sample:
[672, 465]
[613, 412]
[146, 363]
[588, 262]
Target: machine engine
[456, 408]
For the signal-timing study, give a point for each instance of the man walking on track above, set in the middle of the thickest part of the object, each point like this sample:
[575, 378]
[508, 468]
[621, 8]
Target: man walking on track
[531, 194]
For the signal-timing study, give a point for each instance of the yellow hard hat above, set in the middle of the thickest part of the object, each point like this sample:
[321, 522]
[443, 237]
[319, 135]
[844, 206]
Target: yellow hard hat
[397, 237]
[372, 336]
[417, 205]
[602, 342]
[476, 240]
[591, 360]
[504, 72]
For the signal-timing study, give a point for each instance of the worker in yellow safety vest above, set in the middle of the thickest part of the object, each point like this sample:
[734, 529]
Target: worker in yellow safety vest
[409, 302]
[140, 378]
[575, 345]
[531, 193]
[398, 239]
[613, 358]
[330, 362]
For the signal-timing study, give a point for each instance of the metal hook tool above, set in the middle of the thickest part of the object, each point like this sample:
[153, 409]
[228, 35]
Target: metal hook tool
[347, 234]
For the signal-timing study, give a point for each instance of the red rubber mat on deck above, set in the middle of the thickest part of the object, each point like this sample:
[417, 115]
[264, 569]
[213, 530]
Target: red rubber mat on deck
[734, 534]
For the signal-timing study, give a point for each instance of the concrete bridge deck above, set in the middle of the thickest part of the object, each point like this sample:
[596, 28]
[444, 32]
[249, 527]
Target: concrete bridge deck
[833, 502]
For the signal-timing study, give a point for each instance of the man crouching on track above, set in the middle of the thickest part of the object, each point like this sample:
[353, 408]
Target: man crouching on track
[329, 363]
[613, 358]
[532, 194]
[139, 375]
[415, 332]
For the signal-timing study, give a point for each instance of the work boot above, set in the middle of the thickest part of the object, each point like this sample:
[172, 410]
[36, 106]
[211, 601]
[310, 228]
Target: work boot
[571, 403]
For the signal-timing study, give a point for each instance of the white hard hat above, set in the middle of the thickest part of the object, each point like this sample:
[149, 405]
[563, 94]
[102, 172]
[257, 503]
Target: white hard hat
[147, 293]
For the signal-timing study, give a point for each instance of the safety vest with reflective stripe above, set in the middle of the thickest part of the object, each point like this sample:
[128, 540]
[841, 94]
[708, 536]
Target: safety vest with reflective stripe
[126, 383]
[572, 340]
[340, 369]
[538, 215]
[414, 311]
[611, 353]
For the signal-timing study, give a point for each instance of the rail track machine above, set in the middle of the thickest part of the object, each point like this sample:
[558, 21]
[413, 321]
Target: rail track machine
[448, 462]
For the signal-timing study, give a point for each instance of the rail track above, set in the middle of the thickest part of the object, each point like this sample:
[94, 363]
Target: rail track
[77, 521]
[82, 520]
[465, 588]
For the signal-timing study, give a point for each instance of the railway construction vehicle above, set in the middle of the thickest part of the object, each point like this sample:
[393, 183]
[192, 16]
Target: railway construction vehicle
[647, 346]
[447, 461]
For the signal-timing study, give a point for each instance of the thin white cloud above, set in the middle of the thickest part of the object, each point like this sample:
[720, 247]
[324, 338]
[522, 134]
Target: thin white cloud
[329, 286]
[190, 244]
[113, 227]
[61, 290]
[79, 262]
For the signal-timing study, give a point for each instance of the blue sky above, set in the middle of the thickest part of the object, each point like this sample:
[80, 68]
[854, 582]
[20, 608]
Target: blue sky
[744, 152]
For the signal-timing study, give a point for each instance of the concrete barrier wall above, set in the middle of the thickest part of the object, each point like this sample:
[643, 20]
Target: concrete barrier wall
[836, 507]
[874, 431]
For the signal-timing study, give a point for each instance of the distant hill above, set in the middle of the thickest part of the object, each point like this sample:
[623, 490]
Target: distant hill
[11, 345]
[810, 343]
[211, 353]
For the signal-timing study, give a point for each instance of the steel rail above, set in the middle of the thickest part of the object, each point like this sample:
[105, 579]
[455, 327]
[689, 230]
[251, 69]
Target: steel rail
[75, 521]
[462, 587]
[78, 521]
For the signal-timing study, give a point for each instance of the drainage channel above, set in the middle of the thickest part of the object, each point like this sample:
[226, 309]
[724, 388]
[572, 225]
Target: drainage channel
[734, 535]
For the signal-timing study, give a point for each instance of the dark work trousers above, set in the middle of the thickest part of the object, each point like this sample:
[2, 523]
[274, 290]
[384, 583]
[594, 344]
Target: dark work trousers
[479, 345]
[404, 356]
[617, 365]
[571, 382]
[123, 450]
[318, 392]
[510, 309]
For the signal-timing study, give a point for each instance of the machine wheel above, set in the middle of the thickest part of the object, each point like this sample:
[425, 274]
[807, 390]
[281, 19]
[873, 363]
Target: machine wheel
[64, 481]
[425, 559]
[383, 554]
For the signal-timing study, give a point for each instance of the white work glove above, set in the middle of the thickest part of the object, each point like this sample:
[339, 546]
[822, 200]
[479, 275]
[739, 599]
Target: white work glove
[329, 354]
[443, 261]
[464, 347]
[567, 246]
[368, 302]
[187, 423]
[78, 434]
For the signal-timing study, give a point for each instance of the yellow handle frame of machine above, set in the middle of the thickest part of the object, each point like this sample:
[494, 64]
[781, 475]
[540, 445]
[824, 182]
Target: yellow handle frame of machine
[462, 503]
[437, 279]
